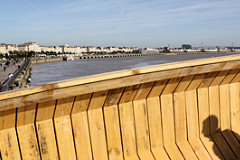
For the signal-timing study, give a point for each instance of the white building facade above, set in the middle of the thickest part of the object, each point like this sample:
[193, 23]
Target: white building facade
[3, 49]
[63, 49]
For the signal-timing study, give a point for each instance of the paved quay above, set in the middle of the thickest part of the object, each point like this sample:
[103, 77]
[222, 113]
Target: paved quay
[9, 69]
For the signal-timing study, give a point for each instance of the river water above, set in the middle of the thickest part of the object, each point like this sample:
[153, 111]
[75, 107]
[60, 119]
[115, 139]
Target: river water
[56, 71]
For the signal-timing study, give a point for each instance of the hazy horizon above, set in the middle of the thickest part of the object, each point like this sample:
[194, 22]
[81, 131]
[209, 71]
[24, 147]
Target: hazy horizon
[193, 47]
[136, 23]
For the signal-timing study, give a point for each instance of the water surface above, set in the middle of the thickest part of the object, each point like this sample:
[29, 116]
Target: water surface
[51, 72]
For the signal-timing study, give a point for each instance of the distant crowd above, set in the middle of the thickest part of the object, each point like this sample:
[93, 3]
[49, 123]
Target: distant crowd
[8, 64]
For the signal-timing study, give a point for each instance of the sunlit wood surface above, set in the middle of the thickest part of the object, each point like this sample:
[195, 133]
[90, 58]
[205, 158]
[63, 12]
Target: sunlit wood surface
[186, 110]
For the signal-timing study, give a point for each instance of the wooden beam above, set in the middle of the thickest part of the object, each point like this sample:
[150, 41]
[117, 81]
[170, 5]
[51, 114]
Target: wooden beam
[81, 128]
[112, 124]
[204, 113]
[63, 128]
[8, 137]
[225, 119]
[181, 119]
[141, 122]
[235, 105]
[168, 120]
[155, 120]
[127, 123]
[192, 118]
[97, 126]
[27, 133]
[45, 130]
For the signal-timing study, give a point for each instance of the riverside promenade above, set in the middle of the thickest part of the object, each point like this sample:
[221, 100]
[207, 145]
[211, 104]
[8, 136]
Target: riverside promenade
[9, 69]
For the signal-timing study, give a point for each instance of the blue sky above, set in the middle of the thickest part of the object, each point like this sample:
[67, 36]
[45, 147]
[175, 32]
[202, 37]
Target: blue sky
[141, 23]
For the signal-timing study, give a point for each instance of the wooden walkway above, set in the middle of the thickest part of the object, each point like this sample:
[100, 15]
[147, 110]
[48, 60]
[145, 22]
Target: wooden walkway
[188, 110]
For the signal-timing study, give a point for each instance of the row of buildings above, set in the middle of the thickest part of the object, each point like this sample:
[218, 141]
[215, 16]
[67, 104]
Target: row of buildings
[78, 50]
[33, 46]
[189, 48]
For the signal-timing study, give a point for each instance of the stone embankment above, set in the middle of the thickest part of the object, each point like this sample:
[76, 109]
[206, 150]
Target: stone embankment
[184, 53]
[35, 61]
[118, 55]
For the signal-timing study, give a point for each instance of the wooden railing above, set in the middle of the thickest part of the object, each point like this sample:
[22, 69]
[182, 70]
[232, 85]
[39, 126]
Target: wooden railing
[185, 110]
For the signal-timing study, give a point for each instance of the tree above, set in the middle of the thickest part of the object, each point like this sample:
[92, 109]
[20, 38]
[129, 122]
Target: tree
[6, 55]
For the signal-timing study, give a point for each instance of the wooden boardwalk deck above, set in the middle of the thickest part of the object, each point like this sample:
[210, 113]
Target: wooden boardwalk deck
[188, 110]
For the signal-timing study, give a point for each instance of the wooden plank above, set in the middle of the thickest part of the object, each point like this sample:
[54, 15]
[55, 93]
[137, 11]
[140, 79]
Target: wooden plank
[155, 120]
[63, 128]
[204, 120]
[180, 119]
[235, 105]
[214, 100]
[192, 118]
[236, 78]
[232, 142]
[224, 97]
[214, 104]
[81, 128]
[27, 133]
[8, 138]
[203, 103]
[141, 122]
[118, 80]
[168, 120]
[45, 130]
[97, 126]
[211, 147]
[127, 123]
[224, 90]
[112, 124]
[223, 146]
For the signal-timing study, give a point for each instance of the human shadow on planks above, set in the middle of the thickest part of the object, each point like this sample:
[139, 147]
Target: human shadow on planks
[226, 142]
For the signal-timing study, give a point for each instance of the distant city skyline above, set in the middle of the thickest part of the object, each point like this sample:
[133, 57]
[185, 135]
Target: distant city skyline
[138, 23]
[78, 45]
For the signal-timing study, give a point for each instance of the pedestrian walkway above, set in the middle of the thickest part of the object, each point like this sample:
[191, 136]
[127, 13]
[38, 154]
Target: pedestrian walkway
[11, 69]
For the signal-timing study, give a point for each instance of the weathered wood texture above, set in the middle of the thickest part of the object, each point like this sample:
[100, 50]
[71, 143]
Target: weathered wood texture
[187, 112]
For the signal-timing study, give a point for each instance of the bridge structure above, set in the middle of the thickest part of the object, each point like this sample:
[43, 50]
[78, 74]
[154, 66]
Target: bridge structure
[182, 110]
